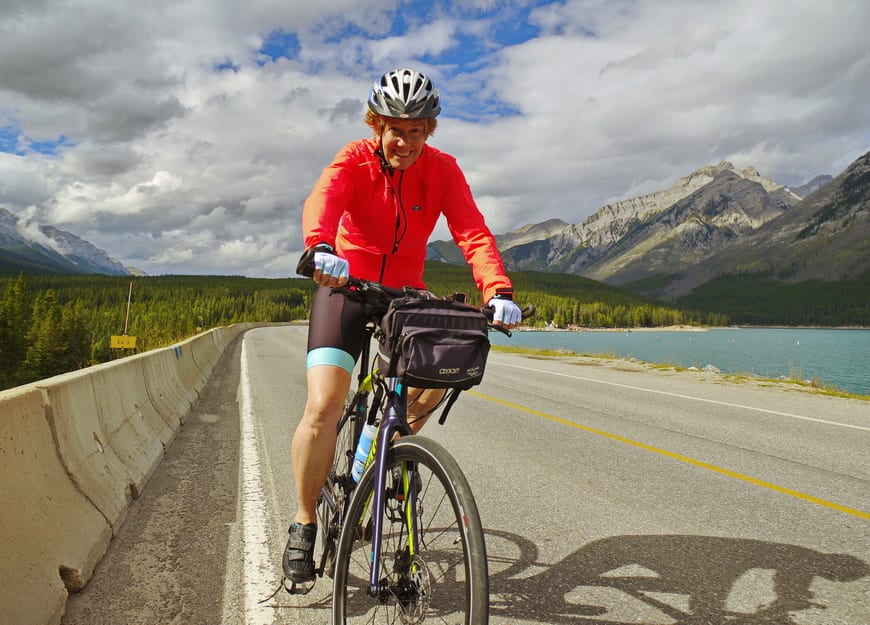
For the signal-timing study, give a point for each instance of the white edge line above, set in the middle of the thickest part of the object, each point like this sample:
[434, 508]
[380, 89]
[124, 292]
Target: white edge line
[701, 399]
[257, 569]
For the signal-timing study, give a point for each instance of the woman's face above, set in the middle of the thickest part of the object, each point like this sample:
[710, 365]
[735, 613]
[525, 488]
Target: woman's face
[403, 141]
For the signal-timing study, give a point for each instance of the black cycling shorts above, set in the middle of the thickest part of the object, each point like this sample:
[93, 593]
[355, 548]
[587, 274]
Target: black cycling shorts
[336, 330]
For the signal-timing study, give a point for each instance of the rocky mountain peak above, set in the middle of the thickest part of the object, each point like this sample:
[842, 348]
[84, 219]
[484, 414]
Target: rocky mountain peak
[531, 232]
[711, 218]
[46, 248]
[611, 222]
[824, 237]
[812, 186]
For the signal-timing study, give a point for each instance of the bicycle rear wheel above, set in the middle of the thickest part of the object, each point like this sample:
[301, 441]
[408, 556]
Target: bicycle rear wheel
[331, 505]
[445, 579]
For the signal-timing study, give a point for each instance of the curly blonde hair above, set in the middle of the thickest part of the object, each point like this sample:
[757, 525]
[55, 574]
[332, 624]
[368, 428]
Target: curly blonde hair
[377, 122]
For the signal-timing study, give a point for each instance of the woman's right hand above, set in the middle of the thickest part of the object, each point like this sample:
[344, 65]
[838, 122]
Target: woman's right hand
[321, 264]
[330, 270]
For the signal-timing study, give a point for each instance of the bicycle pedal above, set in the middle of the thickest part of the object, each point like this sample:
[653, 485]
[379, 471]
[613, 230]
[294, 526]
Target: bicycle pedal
[298, 588]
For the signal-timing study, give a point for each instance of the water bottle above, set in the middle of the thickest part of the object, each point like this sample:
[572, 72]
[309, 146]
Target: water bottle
[362, 451]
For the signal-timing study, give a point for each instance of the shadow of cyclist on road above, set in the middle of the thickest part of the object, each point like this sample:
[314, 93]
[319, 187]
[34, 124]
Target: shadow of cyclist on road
[687, 580]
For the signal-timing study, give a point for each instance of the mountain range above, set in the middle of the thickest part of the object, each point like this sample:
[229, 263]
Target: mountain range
[717, 220]
[45, 249]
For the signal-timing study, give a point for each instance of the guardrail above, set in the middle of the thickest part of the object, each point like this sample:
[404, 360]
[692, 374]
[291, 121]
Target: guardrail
[75, 450]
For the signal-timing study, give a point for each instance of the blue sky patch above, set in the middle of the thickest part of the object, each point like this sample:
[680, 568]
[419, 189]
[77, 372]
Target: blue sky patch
[49, 148]
[13, 142]
[8, 139]
[465, 54]
[513, 32]
[227, 66]
[279, 44]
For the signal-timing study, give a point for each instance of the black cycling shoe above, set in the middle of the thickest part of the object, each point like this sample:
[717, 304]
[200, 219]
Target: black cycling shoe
[298, 561]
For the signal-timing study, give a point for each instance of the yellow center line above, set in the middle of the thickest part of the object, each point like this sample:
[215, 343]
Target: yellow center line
[681, 458]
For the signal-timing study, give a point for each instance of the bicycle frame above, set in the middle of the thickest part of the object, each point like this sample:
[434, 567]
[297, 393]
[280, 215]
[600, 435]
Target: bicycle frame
[394, 422]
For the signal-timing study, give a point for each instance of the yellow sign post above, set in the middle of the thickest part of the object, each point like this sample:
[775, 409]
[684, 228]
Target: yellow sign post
[124, 341]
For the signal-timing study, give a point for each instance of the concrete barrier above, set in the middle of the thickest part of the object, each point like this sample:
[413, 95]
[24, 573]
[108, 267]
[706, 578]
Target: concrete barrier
[74, 451]
[122, 412]
[188, 374]
[223, 336]
[168, 394]
[205, 352]
[52, 534]
[84, 446]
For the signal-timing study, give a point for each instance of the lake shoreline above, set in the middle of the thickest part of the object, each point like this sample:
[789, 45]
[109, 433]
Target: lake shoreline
[635, 364]
[820, 357]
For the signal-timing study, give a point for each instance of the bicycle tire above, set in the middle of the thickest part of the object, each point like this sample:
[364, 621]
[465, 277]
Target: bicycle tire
[330, 517]
[451, 584]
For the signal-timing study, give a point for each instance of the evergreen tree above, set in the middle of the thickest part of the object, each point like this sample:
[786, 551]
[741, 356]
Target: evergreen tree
[75, 337]
[45, 356]
[14, 325]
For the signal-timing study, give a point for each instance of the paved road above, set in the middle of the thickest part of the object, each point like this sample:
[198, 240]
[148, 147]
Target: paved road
[611, 493]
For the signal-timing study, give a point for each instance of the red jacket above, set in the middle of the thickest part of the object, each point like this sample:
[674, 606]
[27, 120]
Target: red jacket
[380, 220]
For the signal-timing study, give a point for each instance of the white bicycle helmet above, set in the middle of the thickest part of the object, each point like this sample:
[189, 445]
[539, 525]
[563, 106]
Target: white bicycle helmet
[406, 94]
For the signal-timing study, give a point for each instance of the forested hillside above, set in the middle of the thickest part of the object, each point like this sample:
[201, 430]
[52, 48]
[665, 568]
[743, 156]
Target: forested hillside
[753, 299]
[51, 324]
[54, 324]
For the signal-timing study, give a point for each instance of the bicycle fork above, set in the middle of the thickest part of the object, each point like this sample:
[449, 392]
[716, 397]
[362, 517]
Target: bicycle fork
[392, 423]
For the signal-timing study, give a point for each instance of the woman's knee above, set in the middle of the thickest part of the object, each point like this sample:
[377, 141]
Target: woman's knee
[327, 390]
[323, 408]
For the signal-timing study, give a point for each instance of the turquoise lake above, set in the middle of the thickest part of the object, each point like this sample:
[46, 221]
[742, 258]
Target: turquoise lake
[839, 358]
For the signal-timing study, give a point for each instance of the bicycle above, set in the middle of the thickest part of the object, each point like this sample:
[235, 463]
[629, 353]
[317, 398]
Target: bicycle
[406, 542]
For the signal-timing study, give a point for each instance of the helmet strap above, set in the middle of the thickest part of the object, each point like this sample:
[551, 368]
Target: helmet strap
[385, 164]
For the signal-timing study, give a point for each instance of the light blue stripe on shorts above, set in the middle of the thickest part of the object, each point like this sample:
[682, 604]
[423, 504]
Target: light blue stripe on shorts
[330, 356]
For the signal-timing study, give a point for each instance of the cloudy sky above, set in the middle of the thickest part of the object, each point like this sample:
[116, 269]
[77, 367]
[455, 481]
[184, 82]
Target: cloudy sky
[182, 136]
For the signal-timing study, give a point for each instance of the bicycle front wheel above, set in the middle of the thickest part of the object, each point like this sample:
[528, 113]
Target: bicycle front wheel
[443, 579]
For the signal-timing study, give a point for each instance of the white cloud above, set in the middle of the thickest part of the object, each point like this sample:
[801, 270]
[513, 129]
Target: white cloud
[29, 229]
[25, 181]
[174, 166]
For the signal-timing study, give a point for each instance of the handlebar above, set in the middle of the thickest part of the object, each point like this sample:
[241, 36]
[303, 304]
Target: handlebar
[377, 297]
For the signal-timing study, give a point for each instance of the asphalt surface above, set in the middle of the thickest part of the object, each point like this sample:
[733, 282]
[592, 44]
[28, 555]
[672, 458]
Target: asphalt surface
[611, 493]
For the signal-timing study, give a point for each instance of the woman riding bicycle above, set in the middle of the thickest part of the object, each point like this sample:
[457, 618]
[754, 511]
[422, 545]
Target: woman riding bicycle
[372, 211]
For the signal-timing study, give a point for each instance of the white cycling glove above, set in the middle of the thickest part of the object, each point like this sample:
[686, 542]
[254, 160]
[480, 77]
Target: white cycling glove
[505, 310]
[331, 265]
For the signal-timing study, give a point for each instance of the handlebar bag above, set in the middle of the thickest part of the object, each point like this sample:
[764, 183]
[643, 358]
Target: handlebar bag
[433, 343]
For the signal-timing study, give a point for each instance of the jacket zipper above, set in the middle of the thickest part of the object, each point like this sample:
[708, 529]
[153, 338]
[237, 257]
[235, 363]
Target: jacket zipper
[400, 210]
